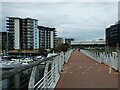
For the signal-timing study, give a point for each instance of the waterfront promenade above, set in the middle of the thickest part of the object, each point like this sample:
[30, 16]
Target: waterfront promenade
[84, 72]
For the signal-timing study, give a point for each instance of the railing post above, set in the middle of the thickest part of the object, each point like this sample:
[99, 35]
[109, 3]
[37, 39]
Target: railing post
[45, 73]
[32, 78]
[54, 70]
[65, 57]
[60, 60]
[119, 60]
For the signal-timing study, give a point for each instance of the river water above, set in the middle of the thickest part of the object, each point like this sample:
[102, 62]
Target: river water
[20, 80]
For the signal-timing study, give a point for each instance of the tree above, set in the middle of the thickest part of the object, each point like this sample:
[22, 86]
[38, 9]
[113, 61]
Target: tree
[65, 47]
[41, 50]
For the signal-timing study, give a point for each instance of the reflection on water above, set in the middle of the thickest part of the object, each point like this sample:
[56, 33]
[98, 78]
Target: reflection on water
[20, 80]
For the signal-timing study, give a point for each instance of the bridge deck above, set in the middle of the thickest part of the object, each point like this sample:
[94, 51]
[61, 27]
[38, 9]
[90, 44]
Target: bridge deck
[83, 72]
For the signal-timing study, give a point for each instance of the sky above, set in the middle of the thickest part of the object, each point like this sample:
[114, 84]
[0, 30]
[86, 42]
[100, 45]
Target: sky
[80, 20]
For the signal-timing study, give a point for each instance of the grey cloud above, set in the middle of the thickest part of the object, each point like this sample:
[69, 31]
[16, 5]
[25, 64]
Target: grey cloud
[60, 0]
[85, 19]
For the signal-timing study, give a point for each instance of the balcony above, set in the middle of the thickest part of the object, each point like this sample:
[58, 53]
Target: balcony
[10, 29]
[10, 20]
[10, 26]
[10, 23]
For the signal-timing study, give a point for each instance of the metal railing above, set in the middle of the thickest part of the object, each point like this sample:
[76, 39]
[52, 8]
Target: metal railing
[46, 81]
[52, 72]
[111, 59]
[41, 74]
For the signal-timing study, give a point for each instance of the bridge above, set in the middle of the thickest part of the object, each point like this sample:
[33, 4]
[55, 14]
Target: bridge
[71, 69]
[93, 43]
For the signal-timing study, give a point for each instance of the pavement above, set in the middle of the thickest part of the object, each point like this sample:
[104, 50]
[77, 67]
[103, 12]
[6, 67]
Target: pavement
[84, 72]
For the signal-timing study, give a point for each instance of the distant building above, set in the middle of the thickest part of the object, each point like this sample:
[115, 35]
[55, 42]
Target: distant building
[69, 40]
[59, 41]
[3, 40]
[47, 37]
[113, 36]
[101, 39]
[22, 33]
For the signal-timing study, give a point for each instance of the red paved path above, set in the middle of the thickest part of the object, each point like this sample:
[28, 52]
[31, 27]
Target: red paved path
[83, 72]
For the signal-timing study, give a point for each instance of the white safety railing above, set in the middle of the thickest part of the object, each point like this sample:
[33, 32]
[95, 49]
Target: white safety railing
[111, 59]
[46, 81]
[51, 76]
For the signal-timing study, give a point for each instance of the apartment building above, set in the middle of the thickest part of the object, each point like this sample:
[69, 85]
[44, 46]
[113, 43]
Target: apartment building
[47, 37]
[59, 41]
[22, 33]
[113, 36]
[3, 41]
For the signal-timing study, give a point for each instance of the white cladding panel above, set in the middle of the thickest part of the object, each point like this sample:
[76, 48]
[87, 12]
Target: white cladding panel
[17, 34]
[36, 35]
[51, 40]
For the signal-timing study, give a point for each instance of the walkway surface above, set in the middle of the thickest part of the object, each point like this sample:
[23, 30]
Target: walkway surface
[84, 72]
